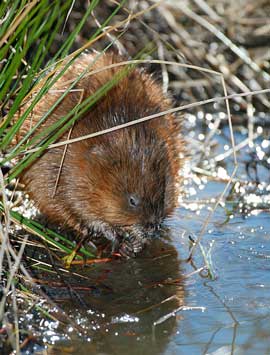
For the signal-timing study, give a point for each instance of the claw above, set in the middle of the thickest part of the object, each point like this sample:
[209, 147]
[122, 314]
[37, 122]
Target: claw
[126, 251]
[115, 245]
[131, 246]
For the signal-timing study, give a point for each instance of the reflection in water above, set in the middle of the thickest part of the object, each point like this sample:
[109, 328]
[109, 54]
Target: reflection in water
[124, 300]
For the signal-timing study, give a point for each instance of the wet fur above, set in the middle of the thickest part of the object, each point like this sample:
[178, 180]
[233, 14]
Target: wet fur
[100, 175]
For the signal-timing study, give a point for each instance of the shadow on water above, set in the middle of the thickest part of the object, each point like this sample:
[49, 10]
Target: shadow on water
[117, 303]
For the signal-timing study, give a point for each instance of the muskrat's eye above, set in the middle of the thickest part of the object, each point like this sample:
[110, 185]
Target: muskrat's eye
[134, 201]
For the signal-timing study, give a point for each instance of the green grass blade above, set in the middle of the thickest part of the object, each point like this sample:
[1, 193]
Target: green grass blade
[46, 234]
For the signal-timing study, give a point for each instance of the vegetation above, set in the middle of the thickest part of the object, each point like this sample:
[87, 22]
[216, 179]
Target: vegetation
[200, 56]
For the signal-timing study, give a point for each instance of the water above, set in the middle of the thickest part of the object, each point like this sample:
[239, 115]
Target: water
[237, 302]
[123, 299]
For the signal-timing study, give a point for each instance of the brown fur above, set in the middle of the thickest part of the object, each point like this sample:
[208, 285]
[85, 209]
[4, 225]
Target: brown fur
[103, 175]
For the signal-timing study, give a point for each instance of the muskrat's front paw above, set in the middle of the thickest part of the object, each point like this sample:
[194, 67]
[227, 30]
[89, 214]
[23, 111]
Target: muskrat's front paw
[131, 246]
[126, 250]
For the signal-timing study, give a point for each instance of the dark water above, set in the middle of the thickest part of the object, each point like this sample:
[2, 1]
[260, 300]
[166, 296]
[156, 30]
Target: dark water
[152, 305]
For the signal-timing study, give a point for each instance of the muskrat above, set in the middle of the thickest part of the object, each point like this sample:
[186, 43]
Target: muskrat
[121, 184]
